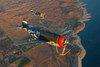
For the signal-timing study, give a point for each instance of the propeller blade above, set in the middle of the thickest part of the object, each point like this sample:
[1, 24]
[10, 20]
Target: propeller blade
[66, 32]
[64, 49]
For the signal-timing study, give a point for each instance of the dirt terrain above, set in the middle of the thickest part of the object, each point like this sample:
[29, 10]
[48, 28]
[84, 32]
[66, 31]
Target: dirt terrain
[44, 55]
[61, 15]
[58, 16]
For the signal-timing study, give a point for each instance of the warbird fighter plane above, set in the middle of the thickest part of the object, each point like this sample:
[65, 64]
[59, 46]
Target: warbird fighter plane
[42, 35]
[42, 15]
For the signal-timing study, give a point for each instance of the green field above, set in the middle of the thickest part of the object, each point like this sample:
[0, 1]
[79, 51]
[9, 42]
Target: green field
[24, 61]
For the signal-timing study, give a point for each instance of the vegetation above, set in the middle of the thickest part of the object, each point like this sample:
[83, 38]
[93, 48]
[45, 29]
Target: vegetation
[28, 37]
[11, 60]
[0, 10]
[24, 61]
[1, 31]
[26, 49]
[6, 43]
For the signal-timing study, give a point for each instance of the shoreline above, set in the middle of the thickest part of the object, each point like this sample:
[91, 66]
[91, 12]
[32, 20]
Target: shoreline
[12, 18]
[85, 17]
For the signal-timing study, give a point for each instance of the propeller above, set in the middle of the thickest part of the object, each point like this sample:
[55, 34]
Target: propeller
[66, 32]
[64, 49]
[66, 44]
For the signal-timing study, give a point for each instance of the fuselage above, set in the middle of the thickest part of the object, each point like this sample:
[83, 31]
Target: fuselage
[47, 35]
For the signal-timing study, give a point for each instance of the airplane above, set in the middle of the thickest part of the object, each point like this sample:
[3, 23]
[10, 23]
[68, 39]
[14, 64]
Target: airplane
[42, 15]
[41, 35]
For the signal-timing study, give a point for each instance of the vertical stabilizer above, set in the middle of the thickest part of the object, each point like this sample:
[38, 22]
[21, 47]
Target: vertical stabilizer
[25, 24]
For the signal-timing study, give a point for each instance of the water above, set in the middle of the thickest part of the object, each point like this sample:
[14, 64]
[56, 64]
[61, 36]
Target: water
[90, 36]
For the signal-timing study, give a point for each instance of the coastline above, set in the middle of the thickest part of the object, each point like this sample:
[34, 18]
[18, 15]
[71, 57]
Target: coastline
[78, 27]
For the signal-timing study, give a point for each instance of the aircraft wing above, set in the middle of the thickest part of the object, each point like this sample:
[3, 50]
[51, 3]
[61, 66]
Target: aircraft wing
[28, 43]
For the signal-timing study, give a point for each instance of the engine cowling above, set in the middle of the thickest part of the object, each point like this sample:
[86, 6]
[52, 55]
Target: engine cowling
[61, 40]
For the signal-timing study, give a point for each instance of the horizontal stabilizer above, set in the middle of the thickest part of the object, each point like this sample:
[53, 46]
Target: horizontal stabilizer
[19, 27]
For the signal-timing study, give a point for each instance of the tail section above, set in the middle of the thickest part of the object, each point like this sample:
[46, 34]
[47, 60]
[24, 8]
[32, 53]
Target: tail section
[24, 25]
